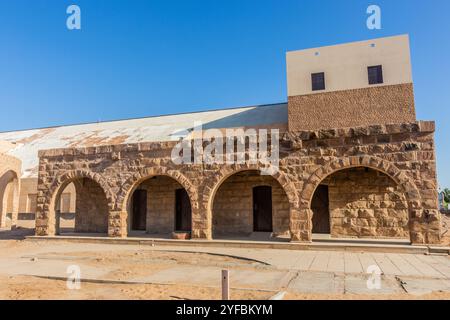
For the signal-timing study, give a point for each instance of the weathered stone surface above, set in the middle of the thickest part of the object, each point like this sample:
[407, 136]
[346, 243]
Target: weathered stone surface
[407, 182]
[350, 108]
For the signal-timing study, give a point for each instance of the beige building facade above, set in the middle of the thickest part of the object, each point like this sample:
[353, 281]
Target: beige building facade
[354, 162]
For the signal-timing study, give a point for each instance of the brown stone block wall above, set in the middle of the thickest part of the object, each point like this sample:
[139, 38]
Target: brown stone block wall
[233, 205]
[160, 204]
[404, 152]
[366, 203]
[350, 108]
[91, 207]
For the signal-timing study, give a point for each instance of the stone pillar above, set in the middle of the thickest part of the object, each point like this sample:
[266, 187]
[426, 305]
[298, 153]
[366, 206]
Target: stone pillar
[425, 227]
[15, 204]
[45, 222]
[201, 224]
[117, 224]
[300, 225]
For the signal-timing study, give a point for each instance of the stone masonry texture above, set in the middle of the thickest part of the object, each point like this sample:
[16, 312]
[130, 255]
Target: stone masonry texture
[350, 108]
[233, 205]
[404, 153]
[366, 203]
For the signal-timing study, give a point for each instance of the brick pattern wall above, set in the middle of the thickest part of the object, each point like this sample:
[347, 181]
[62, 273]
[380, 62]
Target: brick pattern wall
[366, 203]
[350, 108]
[233, 205]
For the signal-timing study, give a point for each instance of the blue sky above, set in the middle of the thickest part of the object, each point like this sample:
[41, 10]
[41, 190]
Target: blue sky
[137, 58]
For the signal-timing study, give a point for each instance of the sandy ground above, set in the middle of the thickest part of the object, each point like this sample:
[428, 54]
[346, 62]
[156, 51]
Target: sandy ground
[25, 288]
[130, 263]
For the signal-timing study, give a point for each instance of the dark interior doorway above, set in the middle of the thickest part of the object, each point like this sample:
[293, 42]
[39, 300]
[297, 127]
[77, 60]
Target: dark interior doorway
[321, 211]
[183, 216]
[139, 210]
[262, 209]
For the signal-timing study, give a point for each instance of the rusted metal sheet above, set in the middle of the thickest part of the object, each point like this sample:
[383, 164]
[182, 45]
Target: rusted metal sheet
[25, 144]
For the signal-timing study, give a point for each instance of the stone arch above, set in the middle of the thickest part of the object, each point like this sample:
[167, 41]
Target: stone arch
[218, 178]
[9, 184]
[405, 184]
[137, 178]
[58, 185]
[123, 200]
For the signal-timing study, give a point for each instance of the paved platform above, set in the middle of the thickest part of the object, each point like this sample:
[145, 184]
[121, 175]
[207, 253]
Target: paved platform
[264, 269]
[351, 245]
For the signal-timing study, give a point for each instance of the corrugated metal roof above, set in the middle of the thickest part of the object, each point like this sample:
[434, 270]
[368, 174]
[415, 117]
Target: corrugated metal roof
[27, 143]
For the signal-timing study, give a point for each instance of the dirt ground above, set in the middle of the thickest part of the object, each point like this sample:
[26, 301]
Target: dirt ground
[31, 288]
[131, 263]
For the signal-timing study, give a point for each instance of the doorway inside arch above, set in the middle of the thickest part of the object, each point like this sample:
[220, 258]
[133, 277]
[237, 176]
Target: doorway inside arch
[320, 207]
[262, 209]
[183, 213]
[360, 202]
[250, 206]
[160, 207]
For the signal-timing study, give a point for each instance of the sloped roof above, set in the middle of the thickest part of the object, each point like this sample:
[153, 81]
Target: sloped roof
[25, 144]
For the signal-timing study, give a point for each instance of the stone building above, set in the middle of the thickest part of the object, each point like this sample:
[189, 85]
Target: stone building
[353, 162]
[10, 172]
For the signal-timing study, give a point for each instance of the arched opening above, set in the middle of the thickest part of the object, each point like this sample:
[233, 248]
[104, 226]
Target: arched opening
[320, 206]
[9, 199]
[360, 202]
[250, 205]
[159, 206]
[81, 206]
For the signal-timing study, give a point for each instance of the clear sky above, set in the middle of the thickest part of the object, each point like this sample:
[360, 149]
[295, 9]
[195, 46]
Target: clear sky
[136, 58]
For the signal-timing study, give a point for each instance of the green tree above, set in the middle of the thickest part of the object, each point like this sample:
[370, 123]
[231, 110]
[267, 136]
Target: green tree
[446, 197]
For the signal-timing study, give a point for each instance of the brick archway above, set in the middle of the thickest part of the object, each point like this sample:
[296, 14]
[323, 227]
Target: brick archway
[209, 191]
[46, 215]
[405, 184]
[123, 199]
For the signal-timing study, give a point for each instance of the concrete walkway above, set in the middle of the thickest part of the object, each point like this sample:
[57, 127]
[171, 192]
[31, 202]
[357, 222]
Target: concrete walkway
[264, 269]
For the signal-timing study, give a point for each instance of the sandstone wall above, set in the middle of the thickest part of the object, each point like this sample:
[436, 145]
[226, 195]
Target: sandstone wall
[161, 204]
[350, 108]
[91, 207]
[404, 152]
[366, 203]
[233, 205]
